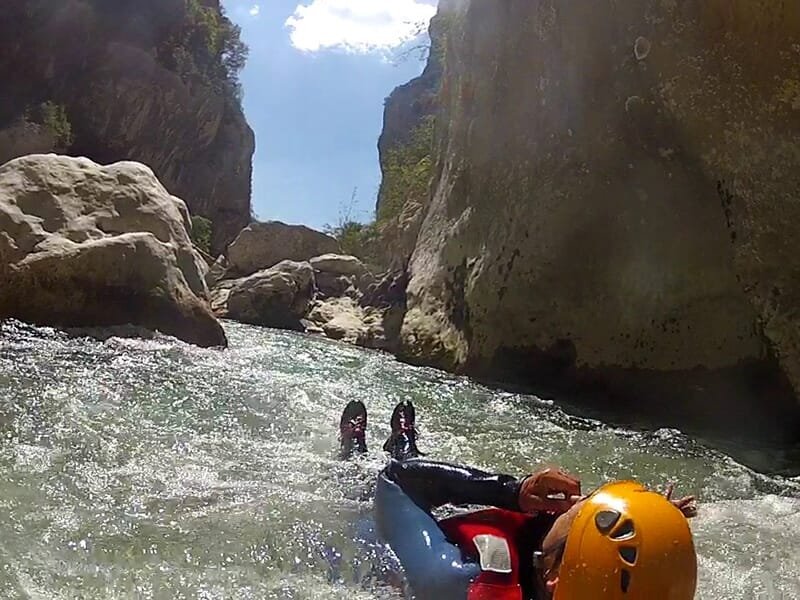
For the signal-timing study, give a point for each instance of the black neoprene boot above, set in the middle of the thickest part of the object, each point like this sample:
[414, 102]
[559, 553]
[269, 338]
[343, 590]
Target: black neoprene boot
[353, 429]
[402, 442]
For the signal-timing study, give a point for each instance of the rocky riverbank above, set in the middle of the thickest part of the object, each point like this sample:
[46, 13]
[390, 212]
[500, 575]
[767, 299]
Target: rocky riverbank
[281, 276]
[90, 246]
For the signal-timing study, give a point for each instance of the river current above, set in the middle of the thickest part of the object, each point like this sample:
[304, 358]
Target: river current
[154, 469]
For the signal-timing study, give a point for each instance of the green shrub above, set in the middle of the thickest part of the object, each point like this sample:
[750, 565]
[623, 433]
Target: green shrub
[54, 117]
[201, 233]
[356, 238]
[407, 170]
[207, 48]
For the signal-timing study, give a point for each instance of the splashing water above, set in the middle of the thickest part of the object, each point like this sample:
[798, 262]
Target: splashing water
[154, 469]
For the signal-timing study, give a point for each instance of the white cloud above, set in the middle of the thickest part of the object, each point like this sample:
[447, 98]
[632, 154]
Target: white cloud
[255, 10]
[358, 26]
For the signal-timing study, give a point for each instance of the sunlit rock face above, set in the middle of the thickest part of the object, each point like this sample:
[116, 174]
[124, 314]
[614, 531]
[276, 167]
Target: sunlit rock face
[615, 198]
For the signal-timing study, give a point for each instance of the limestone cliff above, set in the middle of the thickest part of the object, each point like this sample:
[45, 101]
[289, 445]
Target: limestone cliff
[146, 80]
[615, 201]
[405, 148]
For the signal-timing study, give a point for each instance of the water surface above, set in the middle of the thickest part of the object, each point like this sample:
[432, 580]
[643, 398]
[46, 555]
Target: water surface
[154, 469]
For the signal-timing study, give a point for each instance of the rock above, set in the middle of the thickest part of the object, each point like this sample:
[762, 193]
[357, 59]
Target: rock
[339, 264]
[331, 285]
[277, 297]
[83, 245]
[125, 99]
[631, 217]
[340, 275]
[218, 296]
[129, 278]
[311, 328]
[261, 245]
[388, 291]
[343, 319]
[217, 271]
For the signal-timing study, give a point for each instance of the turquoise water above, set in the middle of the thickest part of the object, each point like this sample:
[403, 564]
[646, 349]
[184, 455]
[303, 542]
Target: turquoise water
[153, 469]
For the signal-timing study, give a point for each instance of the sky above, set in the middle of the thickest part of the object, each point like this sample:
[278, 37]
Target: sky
[314, 88]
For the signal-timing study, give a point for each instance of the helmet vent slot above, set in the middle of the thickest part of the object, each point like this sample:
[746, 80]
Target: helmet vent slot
[605, 520]
[628, 554]
[624, 531]
[625, 580]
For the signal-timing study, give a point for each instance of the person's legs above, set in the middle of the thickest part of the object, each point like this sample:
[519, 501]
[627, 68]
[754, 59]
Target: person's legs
[373, 563]
[402, 442]
[353, 429]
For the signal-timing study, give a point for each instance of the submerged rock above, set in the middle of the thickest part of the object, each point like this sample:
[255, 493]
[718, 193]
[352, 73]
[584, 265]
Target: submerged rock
[84, 245]
[262, 245]
[277, 297]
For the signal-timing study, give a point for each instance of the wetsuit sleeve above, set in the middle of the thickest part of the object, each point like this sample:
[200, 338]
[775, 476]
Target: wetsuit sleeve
[432, 484]
[432, 565]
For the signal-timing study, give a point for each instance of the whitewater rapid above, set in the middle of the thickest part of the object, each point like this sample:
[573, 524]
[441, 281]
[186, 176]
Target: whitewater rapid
[154, 469]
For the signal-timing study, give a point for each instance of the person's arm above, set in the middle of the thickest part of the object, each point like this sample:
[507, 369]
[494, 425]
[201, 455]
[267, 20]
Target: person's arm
[432, 484]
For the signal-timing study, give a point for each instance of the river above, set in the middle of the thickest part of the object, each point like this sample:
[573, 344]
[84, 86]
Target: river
[154, 469]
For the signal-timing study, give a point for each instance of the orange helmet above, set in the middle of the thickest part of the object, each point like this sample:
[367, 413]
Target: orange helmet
[628, 543]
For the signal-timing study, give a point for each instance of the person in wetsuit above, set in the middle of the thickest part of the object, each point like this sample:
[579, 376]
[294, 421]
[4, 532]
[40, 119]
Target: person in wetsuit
[539, 540]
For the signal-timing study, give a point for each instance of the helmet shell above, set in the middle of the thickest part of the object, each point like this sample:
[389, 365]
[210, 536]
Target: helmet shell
[628, 543]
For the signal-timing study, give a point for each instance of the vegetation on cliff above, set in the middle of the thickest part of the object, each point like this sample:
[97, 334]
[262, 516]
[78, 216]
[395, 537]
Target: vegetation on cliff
[206, 46]
[154, 81]
[54, 118]
[407, 169]
[202, 229]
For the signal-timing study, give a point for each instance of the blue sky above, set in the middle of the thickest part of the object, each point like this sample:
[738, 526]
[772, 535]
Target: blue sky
[314, 86]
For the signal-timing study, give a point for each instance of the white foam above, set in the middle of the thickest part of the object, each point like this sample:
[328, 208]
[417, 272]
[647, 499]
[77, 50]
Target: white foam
[749, 549]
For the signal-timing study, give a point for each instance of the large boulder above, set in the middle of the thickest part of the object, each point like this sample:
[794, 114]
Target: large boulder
[345, 320]
[340, 275]
[340, 319]
[261, 245]
[86, 245]
[277, 297]
[339, 264]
